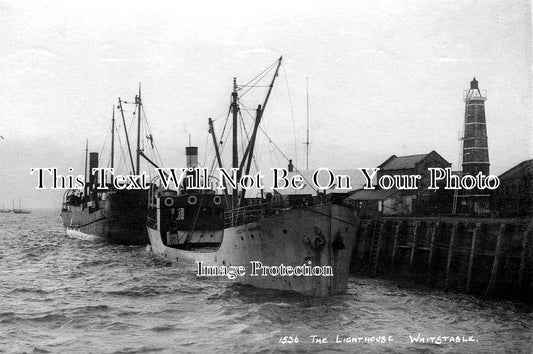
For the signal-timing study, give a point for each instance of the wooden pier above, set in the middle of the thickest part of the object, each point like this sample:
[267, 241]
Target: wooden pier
[485, 257]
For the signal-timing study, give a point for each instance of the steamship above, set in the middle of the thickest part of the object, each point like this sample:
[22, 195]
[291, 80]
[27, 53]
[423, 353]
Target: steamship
[219, 231]
[116, 215]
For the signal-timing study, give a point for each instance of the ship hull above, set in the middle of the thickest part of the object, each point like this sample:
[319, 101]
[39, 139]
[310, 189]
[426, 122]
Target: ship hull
[120, 218]
[317, 236]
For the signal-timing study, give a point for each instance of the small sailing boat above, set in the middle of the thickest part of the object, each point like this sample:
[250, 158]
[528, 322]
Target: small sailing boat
[4, 210]
[117, 215]
[300, 243]
[20, 210]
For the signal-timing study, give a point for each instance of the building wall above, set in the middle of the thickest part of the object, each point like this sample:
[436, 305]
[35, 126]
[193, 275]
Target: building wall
[514, 196]
[423, 201]
[367, 208]
[422, 169]
[397, 205]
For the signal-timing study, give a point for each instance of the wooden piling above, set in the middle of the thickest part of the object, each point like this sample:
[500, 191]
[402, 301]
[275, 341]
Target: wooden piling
[496, 261]
[378, 248]
[450, 253]
[395, 243]
[523, 256]
[365, 231]
[481, 256]
[413, 248]
[432, 244]
[471, 257]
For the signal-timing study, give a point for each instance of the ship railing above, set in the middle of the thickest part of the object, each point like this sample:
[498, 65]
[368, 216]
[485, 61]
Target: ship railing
[253, 212]
[234, 218]
[244, 214]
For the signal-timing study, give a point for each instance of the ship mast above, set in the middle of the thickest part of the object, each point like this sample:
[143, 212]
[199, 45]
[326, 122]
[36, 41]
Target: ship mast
[248, 156]
[126, 132]
[139, 105]
[213, 135]
[139, 153]
[248, 153]
[235, 111]
[307, 141]
[217, 151]
[85, 176]
[113, 139]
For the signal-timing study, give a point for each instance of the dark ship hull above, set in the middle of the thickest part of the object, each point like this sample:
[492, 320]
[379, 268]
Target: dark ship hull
[118, 217]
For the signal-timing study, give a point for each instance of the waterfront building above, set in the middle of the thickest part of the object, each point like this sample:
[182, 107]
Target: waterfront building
[514, 196]
[419, 201]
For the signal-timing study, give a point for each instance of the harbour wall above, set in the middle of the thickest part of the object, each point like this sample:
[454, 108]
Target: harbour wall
[485, 257]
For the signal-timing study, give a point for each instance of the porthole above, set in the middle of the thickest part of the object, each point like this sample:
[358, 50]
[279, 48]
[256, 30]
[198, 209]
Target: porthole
[192, 199]
[168, 202]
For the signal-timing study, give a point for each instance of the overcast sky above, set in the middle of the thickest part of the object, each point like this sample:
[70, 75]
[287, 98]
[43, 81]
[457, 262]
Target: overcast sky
[385, 77]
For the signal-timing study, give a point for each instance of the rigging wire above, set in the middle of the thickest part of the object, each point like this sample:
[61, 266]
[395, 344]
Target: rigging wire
[218, 116]
[205, 149]
[270, 140]
[222, 144]
[254, 82]
[225, 123]
[257, 144]
[223, 132]
[122, 159]
[257, 78]
[149, 131]
[286, 158]
[292, 116]
[130, 130]
[105, 141]
[243, 128]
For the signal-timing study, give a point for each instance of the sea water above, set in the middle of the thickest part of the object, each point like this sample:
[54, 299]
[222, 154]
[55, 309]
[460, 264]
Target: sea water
[75, 293]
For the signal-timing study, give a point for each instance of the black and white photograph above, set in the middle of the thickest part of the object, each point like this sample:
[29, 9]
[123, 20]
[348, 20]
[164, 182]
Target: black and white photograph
[266, 177]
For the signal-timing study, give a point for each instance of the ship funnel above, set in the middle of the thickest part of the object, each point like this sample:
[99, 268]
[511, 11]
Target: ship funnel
[93, 163]
[191, 152]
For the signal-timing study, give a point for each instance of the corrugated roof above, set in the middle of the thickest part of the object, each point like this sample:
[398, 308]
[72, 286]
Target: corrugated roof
[373, 194]
[402, 162]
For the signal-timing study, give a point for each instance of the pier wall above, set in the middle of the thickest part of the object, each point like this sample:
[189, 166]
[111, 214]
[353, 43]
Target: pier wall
[485, 257]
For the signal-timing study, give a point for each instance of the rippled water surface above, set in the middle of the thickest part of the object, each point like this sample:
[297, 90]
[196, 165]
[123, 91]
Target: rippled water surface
[73, 294]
